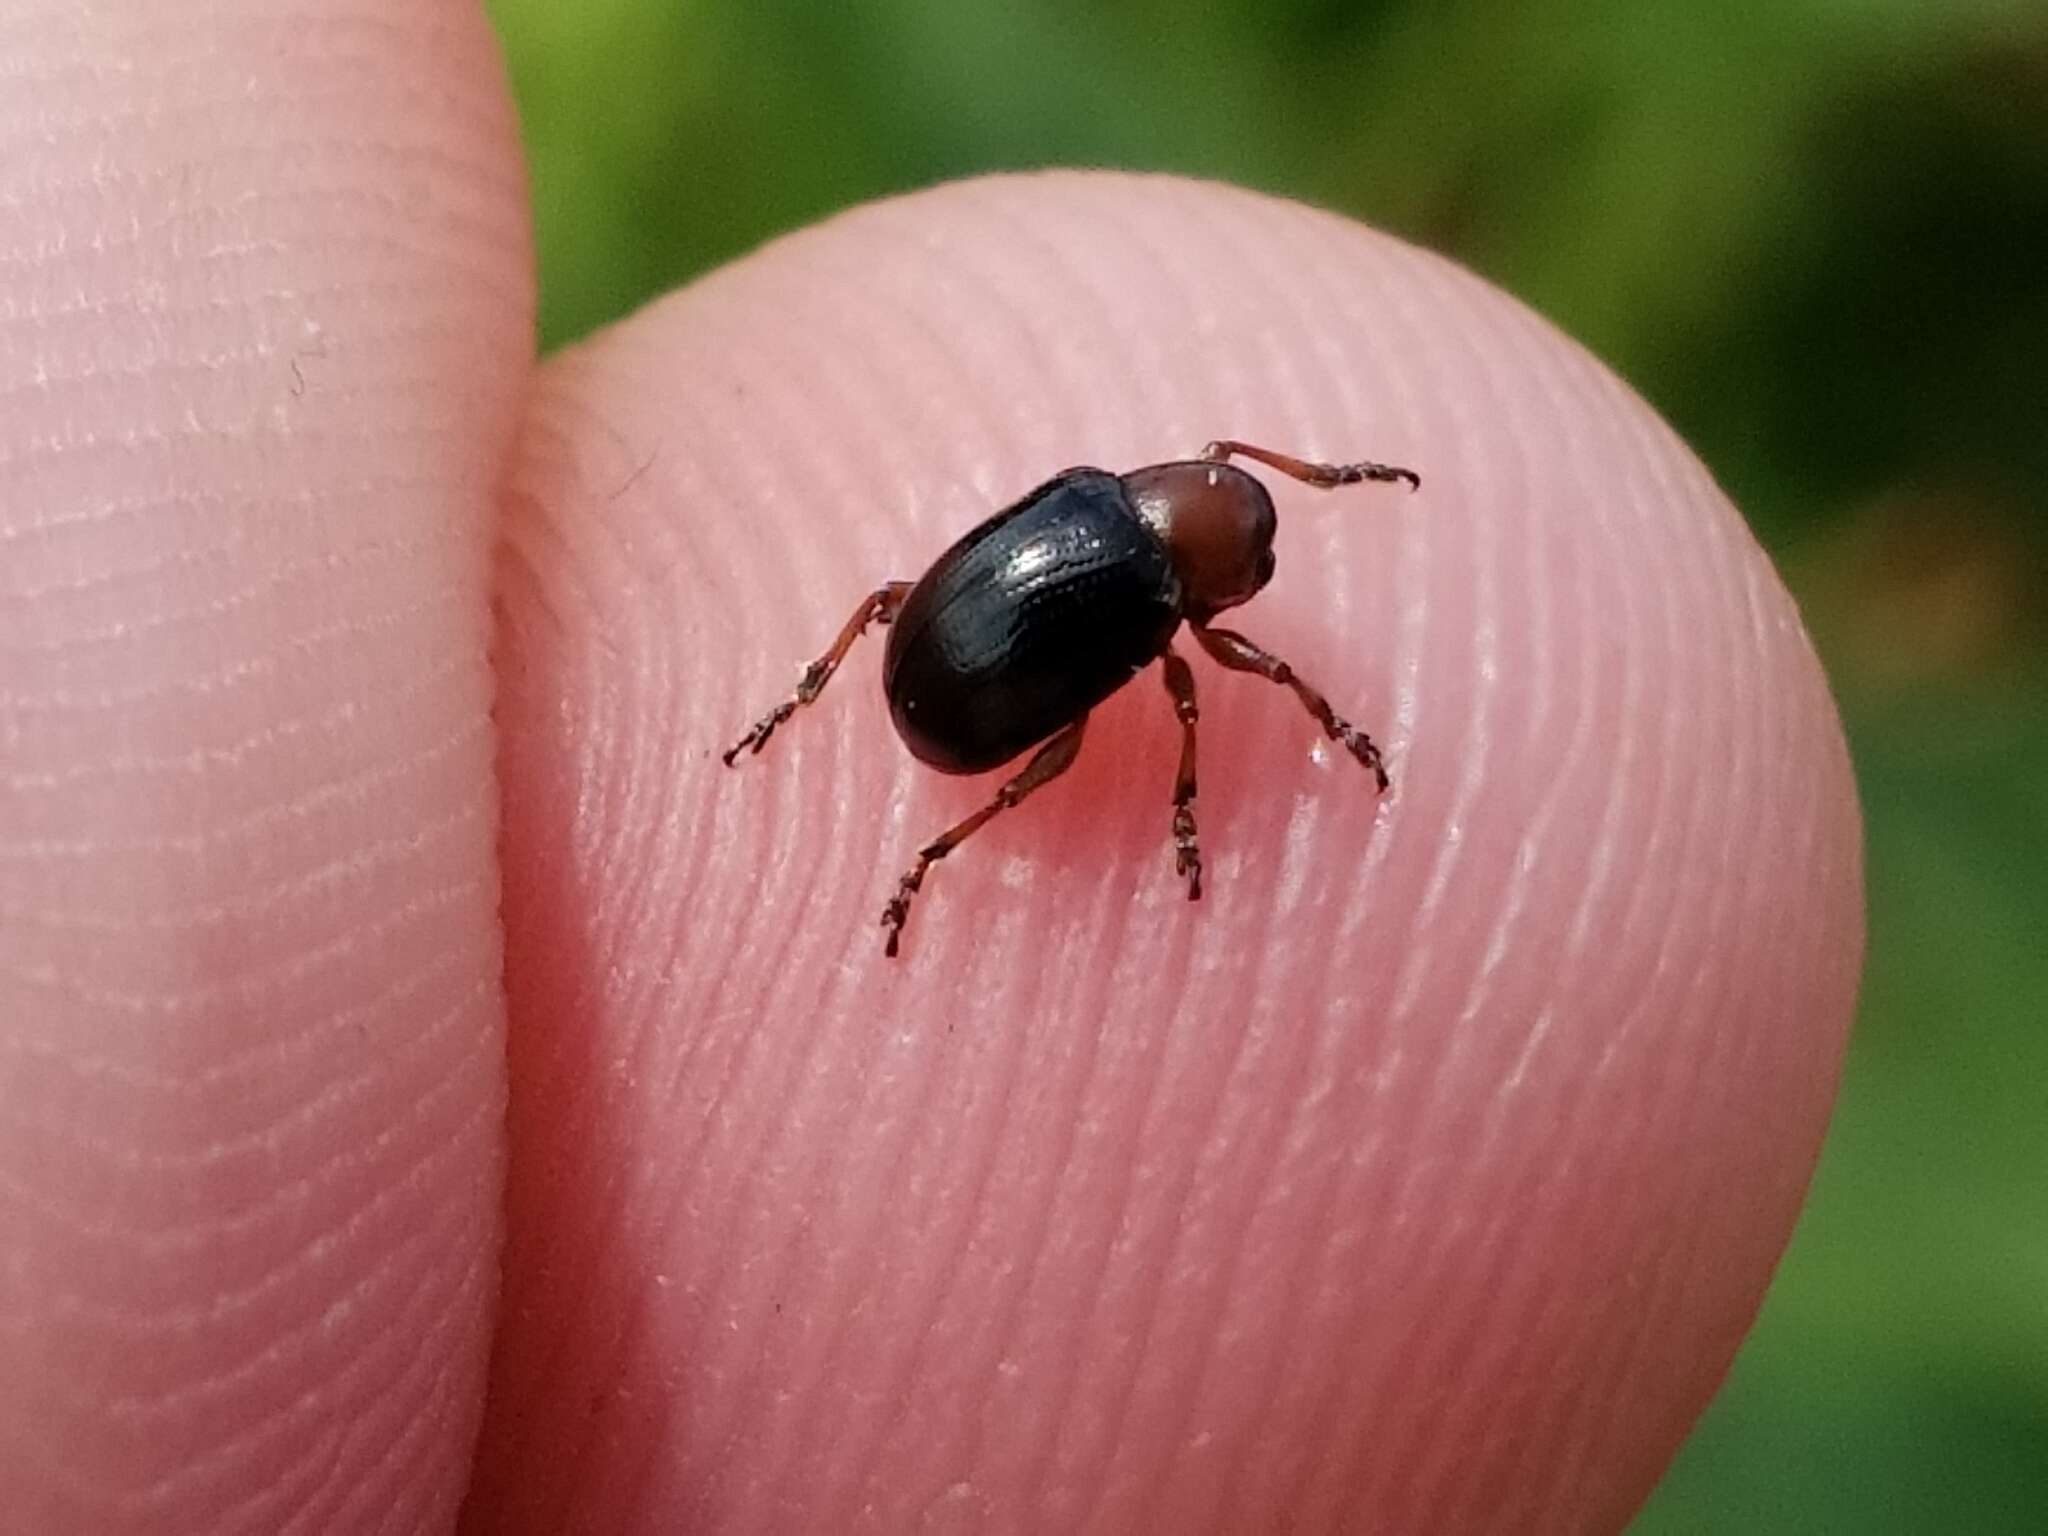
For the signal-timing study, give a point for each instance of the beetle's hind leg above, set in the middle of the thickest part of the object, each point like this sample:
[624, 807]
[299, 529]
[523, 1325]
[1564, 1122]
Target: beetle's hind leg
[1047, 764]
[1240, 655]
[878, 607]
[1322, 476]
[1187, 855]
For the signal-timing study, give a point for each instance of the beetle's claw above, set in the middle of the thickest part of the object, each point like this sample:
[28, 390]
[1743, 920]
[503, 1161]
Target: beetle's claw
[1375, 765]
[893, 918]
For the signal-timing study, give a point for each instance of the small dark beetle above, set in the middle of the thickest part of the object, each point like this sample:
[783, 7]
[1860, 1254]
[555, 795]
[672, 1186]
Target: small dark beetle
[1057, 601]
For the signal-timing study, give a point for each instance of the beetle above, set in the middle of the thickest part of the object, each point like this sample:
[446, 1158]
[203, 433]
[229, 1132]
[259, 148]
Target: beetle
[1053, 604]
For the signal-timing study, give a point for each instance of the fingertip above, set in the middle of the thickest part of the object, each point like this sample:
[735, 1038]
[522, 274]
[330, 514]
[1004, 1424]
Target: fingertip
[1430, 1166]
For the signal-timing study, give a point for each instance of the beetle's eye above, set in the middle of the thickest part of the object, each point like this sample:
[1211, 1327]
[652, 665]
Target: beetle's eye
[1265, 570]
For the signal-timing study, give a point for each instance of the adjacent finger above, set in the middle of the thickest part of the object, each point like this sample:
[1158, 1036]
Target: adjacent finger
[265, 315]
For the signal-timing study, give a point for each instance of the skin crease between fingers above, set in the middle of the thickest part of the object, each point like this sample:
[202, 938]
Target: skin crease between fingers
[1424, 1176]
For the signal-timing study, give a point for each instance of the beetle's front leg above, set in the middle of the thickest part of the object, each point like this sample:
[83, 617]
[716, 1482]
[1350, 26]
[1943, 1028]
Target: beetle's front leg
[1323, 477]
[1240, 655]
[878, 607]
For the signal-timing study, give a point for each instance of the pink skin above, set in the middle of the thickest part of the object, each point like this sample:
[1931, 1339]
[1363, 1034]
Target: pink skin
[1424, 1176]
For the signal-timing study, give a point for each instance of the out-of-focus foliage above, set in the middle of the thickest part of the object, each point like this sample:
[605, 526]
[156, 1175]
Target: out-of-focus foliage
[1816, 235]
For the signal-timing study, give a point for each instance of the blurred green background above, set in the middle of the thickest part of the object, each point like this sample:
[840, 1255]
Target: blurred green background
[1815, 234]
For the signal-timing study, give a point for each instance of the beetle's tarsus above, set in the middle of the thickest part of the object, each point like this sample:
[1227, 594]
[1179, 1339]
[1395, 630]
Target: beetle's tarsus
[1187, 853]
[897, 912]
[1362, 747]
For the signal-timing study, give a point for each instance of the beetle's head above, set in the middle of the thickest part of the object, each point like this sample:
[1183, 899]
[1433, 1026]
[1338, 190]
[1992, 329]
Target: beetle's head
[1217, 524]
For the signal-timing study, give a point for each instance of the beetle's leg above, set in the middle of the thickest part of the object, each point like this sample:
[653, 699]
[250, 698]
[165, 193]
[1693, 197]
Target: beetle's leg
[878, 607]
[1180, 686]
[1322, 476]
[1239, 654]
[1047, 764]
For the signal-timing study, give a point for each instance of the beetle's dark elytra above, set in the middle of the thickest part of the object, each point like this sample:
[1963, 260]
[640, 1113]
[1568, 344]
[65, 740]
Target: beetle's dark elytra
[1083, 597]
[1047, 608]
